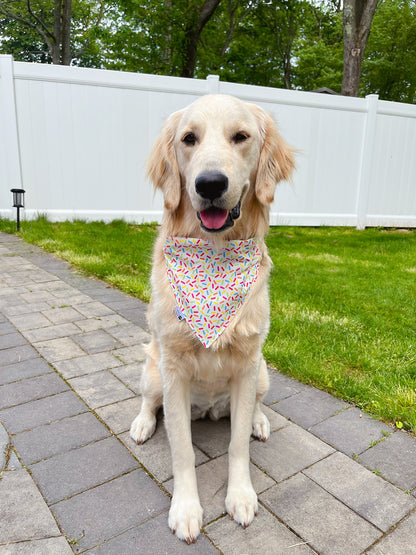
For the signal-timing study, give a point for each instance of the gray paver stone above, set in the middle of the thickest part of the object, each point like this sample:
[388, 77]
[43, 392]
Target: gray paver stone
[4, 447]
[24, 514]
[351, 431]
[49, 546]
[49, 440]
[17, 307]
[154, 538]
[212, 478]
[395, 458]
[80, 469]
[119, 416]
[401, 540]
[288, 451]
[100, 388]
[101, 322]
[107, 510]
[17, 354]
[51, 332]
[43, 411]
[369, 495]
[281, 387]
[137, 316]
[63, 315]
[96, 341]
[12, 340]
[130, 375]
[155, 455]
[86, 364]
[213, 438]
[59, 349]
[14, 463]
[309, 407]
[265, 536]
[275, 419]
[93, 309]
[6, 327]
[25, 369]
[30, 321]
[318, 518]
[30, 389]
[129, 334]
[131, 355]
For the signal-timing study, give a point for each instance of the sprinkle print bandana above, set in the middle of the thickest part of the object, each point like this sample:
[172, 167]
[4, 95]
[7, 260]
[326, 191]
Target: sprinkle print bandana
[210, 285]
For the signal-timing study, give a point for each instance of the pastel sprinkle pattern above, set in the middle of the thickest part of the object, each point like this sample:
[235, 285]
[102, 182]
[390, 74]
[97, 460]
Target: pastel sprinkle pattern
[210, 285]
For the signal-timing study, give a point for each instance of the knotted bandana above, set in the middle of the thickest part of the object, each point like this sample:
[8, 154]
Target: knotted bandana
[210, 285]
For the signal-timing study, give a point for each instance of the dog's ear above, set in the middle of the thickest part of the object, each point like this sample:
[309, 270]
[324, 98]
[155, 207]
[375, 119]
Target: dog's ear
[162, 166]
[276, 160]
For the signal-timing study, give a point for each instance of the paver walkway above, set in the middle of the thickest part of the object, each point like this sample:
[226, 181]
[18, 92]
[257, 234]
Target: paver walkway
[330, 479]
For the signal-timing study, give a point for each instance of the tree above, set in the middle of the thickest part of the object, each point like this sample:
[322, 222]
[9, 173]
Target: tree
[253, 41]
[54, 30]
[198, 17]
[166, 35]
[389, 67]
[50, 24]
[357, 18]
[318, 50]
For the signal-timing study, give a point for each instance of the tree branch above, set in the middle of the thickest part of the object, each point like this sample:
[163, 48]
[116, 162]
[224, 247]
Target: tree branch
[39, 21]
[8, 13]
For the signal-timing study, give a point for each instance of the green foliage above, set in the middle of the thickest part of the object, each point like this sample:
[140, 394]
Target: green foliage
[279, 43]
[21, 37]
[389, 68]
[319, 49]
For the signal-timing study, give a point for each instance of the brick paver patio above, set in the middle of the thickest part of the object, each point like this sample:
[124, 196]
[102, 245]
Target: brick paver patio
[330, 479]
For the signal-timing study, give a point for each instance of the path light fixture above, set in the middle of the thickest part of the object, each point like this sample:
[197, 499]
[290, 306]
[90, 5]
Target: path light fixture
[18, 202]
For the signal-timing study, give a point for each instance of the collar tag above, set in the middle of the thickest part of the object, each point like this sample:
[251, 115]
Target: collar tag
[179, 314]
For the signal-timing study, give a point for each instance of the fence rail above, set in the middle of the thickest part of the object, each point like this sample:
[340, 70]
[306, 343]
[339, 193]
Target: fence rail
[77, 139]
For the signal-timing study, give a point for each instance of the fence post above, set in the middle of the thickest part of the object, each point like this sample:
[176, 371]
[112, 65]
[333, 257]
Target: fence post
[366, 160]
[213, 84]
[9, 138]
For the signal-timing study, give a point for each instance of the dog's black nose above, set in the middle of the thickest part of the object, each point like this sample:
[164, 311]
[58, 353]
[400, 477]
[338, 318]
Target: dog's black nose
[211, 185]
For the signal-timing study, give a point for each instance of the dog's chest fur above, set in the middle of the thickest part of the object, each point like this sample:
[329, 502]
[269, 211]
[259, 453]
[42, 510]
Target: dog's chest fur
[210, 401]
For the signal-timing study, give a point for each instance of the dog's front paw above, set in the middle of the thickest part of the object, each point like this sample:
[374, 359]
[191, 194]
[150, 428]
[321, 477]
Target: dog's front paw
[261, 426]
[241, 505]
[142, 427]
[185, 519]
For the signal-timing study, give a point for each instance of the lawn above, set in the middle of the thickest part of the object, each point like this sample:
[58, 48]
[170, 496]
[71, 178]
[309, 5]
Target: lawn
[343, 302]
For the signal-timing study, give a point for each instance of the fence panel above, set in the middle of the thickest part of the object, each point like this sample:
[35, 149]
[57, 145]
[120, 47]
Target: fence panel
[77, 139]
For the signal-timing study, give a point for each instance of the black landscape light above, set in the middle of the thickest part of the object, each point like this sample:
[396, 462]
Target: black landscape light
[18, 202]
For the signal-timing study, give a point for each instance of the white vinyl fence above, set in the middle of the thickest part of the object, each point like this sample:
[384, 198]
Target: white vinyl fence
[77, 139]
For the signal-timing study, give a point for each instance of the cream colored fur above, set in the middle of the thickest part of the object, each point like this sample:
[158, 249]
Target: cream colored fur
[231, 375]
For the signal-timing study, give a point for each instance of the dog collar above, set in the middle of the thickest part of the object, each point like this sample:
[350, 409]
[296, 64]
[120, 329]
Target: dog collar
[210, 284]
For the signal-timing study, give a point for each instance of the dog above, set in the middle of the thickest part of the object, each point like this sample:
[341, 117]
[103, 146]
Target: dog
[217, 163]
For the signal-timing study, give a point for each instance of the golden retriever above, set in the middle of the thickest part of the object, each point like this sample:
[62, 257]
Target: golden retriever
[217, 163]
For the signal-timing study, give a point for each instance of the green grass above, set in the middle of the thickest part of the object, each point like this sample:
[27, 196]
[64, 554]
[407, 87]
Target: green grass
[343, 302]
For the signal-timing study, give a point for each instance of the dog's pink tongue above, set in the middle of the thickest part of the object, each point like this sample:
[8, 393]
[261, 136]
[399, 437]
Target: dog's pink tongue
[213, 218]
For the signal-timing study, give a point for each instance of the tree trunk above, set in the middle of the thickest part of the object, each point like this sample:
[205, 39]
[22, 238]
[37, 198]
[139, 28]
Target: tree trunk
[357, 18]
[57, 33]
[66, 32]
[196, 23]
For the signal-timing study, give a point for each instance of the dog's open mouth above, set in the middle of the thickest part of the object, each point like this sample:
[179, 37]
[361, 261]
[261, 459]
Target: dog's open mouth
[215, 219]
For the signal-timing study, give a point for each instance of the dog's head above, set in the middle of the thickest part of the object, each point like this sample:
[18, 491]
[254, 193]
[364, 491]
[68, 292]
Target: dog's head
[219, 152]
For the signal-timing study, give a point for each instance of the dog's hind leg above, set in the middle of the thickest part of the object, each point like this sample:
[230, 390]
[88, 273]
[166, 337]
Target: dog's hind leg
[144, 425]
[261, 425]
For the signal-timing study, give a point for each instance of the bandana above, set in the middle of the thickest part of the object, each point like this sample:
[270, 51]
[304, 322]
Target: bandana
[210, 285]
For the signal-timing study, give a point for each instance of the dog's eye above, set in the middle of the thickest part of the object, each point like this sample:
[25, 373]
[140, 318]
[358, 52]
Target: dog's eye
[189, 139]
[240, 137]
